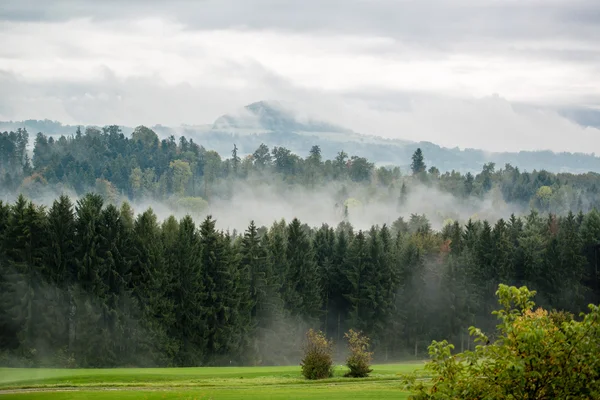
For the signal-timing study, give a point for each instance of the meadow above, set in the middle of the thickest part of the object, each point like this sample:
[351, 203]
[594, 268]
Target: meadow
[286, 382]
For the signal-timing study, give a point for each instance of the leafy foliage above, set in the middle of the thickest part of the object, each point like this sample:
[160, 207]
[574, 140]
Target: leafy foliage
[317, 362]
[536, 355]
[359, 360]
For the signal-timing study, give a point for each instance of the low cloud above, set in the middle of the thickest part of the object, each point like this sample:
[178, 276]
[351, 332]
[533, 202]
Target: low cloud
[458, 84]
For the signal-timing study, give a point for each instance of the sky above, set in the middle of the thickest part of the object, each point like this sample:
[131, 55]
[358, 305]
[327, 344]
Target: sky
[498, 75]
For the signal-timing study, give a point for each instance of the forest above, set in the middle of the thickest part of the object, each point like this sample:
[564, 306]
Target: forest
[87, 281]
[186, 174]
[91, 285]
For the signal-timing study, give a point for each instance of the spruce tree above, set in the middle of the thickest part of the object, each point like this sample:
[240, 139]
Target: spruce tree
[571, 264]
[323, 245]
[359, 284]
[24, 296]
[303, 295]
[151, 283]
[61, 234]
[220, 291]
[261, 287]
[190, 327]
[418, 166]
[88, 244]
[61, 262]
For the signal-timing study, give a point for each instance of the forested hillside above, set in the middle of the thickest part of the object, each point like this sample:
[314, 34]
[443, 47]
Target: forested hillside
[93, 285]
[87, 281]
[277, 126]
[189, 175]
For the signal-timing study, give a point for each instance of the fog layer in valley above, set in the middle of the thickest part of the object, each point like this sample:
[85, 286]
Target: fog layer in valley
[368, 206]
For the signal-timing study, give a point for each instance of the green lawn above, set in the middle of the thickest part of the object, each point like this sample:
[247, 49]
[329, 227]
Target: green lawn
[199, 383]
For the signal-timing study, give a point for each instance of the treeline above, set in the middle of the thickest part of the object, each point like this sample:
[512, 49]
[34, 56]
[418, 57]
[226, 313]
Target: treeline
[93, 285]
[143, 166]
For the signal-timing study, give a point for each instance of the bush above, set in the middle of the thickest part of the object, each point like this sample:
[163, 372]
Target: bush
[538, 355]
[318, 356]
[359, 360]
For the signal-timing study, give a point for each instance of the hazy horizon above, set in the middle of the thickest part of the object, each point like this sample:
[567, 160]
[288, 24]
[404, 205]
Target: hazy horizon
[493, 75]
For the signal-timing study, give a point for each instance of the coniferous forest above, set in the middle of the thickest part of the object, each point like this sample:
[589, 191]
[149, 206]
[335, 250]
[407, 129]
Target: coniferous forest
[145, 167]
[89, 282]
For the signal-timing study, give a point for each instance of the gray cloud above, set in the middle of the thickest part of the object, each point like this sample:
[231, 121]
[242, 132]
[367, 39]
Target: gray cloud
[489, 123]
[420, 70]
[433, 20]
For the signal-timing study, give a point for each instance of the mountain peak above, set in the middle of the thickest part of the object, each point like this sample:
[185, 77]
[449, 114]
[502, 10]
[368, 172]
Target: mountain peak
[272, 116]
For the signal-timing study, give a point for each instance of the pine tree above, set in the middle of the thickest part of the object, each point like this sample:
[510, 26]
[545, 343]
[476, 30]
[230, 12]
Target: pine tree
[88, 241]
[339, 285]
[411, 299]
[61, 234]
[24, 296]
[115, 245]
[61, 263]
[323, 245]
[277, 257]
[469, 180]
[418, 166]
[254, 263]
[379, 294]
[220, 290]
[502, 256]
[360, 284]
[235, 160]
[303, 294]
[403, 197]
[151, 282]
[256, 273]
[571, 264]
[188, 291]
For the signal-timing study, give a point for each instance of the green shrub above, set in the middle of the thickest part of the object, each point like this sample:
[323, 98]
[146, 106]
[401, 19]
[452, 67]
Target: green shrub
[318, 356]
[359, 360]
[537, 355]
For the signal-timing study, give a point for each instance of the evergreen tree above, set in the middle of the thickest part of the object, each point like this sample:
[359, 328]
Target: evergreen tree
[235, 160]
[323, 245]
[61, 235]
[220, 291]
[302, 296]
[23, 297]
[403, 196]
[184, 254]
[359, 285]
[571, 264]
[151, 283]
[88, 241]
[411, 299]
[418, 166]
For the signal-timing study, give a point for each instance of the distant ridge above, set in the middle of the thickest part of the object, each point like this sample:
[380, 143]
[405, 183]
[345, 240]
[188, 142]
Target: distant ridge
[269, 116]
[275, 125]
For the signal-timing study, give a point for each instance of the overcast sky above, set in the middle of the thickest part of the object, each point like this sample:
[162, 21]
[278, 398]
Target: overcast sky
[488, 74]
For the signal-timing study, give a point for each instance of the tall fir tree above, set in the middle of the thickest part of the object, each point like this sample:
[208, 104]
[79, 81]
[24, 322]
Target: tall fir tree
[302, 296]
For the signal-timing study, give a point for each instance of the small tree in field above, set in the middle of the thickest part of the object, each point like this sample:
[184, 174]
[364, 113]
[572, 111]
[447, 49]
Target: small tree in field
[538, 355]
[359, 360]
[318, 356]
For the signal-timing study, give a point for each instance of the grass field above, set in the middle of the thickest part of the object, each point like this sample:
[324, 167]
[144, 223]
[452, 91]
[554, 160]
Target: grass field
[199, 383]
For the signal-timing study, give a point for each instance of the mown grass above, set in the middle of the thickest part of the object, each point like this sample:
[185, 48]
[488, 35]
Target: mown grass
[199, 383]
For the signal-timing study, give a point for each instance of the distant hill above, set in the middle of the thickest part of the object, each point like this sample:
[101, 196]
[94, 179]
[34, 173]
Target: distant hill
[272, 117]
[274, 125]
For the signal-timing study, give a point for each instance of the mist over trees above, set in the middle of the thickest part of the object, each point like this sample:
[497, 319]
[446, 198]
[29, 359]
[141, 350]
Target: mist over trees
[86, 280]
[190, 177]
[93, 285]
[264, 122]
